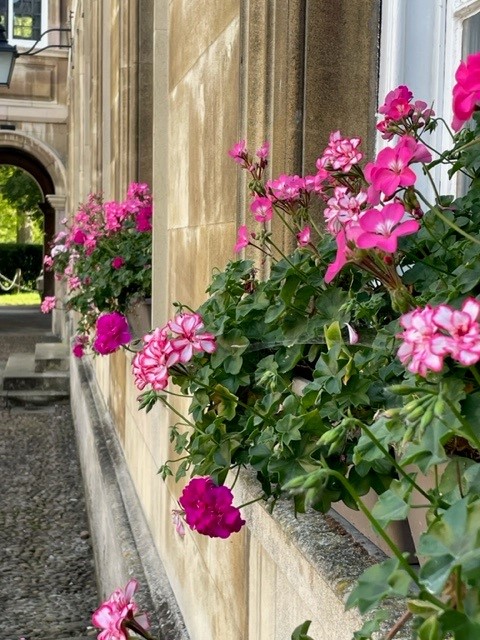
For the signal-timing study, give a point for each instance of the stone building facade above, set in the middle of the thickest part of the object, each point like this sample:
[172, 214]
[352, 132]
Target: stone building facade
[158, 91]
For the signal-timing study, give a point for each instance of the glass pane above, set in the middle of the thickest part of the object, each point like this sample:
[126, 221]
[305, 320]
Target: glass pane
[4, 14]
[27, 19]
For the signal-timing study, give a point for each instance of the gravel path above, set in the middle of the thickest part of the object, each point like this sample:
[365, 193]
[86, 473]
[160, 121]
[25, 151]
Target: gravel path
[47, 581]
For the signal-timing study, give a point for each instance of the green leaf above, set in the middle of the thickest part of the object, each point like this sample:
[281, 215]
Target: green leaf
[393, 504]
[430, 629]
[300, 633]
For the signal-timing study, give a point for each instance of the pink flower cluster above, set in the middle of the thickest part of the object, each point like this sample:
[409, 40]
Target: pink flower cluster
[401, 115]
[466, 92]
[167, 346]
[113, 615]
[48, 304]
[208, 508]
[111, 333]
[432, 333]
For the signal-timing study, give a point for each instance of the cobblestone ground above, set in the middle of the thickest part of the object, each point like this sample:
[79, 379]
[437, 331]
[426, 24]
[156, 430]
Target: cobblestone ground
[47, 582]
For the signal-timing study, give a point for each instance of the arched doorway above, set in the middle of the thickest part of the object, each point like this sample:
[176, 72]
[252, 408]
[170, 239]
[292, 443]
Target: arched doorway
[41, 162]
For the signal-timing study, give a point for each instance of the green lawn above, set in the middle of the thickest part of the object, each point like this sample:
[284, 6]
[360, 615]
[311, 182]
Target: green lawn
[10, 299]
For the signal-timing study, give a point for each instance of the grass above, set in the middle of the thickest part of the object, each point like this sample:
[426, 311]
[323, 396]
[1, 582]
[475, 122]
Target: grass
[23, 298]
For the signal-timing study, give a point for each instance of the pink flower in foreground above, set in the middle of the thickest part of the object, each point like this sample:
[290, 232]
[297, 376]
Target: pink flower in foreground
[262, 153]
[78, 349]
[424, 347]
[463, 339]
[382, 227]
[143, 219]
[391, 169]
[48, 304]
[286, 188]
[187, 327]
[118, 262]
[346, 245]
[242, 238]
[113, 614]
[303, 236]
[466, 93]
[111, 332]
[343, 208]
[262, 209]
[209, 510]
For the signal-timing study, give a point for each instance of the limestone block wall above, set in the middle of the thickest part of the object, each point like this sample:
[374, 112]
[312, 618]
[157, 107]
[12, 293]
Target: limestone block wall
[221, 70]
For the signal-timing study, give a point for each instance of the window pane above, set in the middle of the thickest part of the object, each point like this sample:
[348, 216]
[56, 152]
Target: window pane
[27, 19]
[4, 14]
[471, 35]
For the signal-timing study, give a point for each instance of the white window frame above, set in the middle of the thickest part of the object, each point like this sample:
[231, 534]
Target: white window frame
[22, 43]
[421, 46]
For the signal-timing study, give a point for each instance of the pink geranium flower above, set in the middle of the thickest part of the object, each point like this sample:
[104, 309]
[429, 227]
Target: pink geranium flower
[262, 209]
[150, 364]
[424, 347]
[463, 330]
[48, 304]
[113, 615]
[188, 340]
[111, 332]
[238, 152]
[391, 169]
[382, 227]
[340, 154]
[118, 262]
[303, 236]
[242, 239]
[346, 244]
[286, 188]
[208, 508]
[262, 153]
[397, 103]
[466, 92]
[343, 208]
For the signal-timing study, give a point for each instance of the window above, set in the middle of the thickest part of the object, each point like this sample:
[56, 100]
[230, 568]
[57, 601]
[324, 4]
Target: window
[422, 43]
[24, 20]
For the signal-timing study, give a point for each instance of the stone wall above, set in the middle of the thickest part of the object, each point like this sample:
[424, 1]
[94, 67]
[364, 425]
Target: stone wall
[206, 75]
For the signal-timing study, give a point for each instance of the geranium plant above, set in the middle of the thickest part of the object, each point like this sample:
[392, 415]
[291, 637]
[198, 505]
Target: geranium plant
[104, 257]
[353, 365]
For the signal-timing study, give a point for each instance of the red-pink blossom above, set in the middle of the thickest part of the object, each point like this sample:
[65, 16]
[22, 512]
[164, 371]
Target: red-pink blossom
[79, 236]
[303, 236]
[78, 349]
[381, 228]
[397, 103]
[113, 614]
[188, 339]
[143, 219]
[238, 152]
[262, 209]
[118, 262]
[209, 510]
[111, 332]
[48, 262]
[466, 92]
[346, 245]
[243, 236]
[262, 153]
[341, 154]
[286, 188]
[48, 304]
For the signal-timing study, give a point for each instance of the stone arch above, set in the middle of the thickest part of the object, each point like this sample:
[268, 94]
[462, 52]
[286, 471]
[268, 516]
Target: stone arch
[45, 166]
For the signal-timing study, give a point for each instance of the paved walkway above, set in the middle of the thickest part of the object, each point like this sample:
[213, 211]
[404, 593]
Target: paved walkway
[47, 582]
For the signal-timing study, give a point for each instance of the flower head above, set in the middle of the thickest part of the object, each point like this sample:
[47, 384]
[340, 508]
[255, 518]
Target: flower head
[242, 238]
[303, 236]
[238, 152]
[113, 615]
[262, 209]
[48, 304]
[381, 228]
[118, 262]
[466, 92]
[208, 508]
[111, 332]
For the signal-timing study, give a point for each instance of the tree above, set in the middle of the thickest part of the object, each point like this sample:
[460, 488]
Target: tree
[20, 216]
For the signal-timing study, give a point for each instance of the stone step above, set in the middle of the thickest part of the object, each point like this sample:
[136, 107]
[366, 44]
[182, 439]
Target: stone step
[32, 398]
[51, 356]
[20, 375]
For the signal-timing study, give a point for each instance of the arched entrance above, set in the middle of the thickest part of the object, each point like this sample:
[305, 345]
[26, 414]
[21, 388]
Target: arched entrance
[42, 163]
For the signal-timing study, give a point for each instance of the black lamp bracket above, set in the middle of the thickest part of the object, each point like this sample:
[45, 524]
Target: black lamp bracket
[31, 52]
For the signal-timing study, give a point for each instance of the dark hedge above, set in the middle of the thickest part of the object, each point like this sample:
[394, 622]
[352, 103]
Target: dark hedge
[27, 257]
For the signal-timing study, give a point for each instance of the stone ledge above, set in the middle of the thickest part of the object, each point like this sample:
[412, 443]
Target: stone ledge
[121, 540]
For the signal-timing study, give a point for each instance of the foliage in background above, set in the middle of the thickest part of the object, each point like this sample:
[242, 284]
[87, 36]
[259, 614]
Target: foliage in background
[19, 198]
[27, 257]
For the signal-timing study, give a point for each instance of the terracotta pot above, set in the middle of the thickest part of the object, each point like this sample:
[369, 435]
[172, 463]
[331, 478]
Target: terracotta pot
[139, 318]
[398, 531]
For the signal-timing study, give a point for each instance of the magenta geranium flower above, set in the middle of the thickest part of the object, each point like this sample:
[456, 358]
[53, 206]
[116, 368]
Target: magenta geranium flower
[189, 339]
[381, 228]
[242, 238]
[113, 615]
[208, 508]
[262, 209]
[118, 262]
[397, 103]
[303, 236]
[111, 332]
[150, 365]
[466, 93]
[238, 152]
[463, 330]
[340, 154]
[424, 347]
